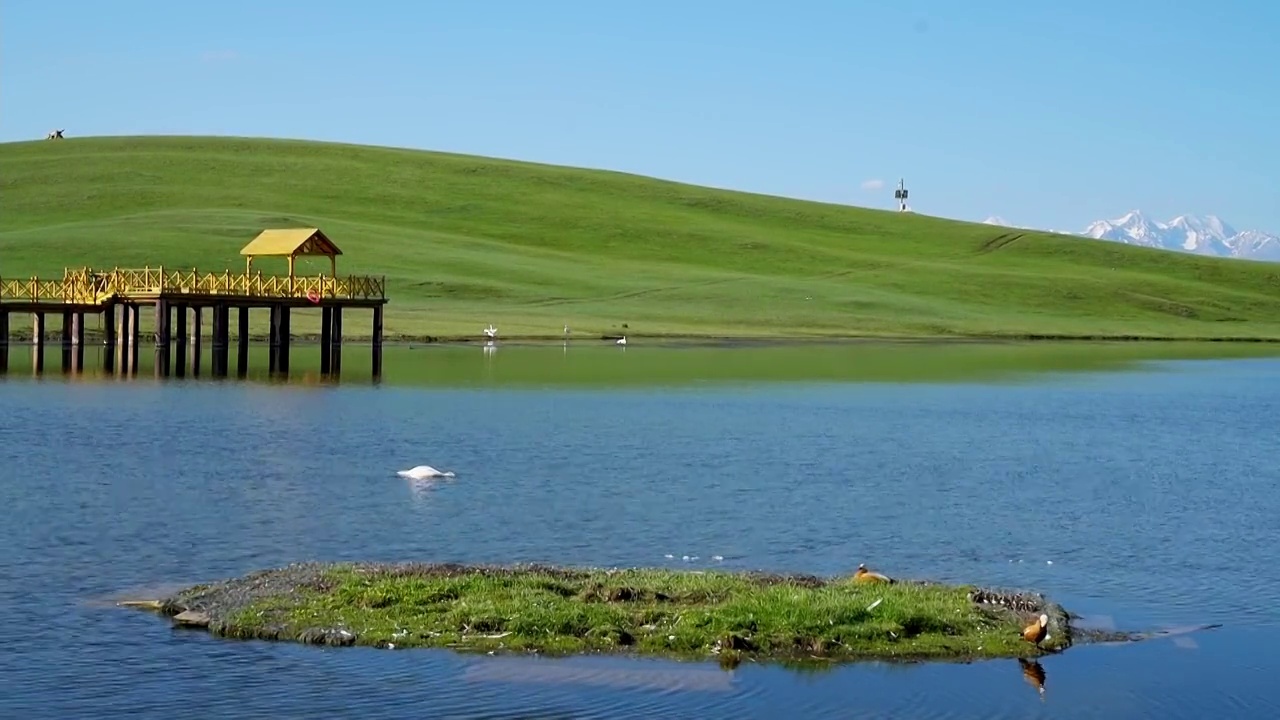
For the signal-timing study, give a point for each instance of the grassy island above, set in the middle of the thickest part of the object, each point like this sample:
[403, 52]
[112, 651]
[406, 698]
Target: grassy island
[465, 241]
[655, 612]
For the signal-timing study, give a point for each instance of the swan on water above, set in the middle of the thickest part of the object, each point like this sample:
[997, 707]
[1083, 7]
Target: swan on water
[491, 331]
[422, 472]
[622, 340]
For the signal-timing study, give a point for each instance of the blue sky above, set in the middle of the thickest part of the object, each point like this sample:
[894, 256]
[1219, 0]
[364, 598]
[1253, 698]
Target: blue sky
[1048, 114]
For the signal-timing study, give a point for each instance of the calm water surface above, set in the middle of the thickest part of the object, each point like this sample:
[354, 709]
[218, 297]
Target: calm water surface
[1151, 490]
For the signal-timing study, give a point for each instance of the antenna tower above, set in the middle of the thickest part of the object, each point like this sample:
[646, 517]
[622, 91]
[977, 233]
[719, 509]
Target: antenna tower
[901, 196]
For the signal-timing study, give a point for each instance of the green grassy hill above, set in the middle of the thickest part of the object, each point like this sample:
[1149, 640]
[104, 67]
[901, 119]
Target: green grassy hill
[466, 241]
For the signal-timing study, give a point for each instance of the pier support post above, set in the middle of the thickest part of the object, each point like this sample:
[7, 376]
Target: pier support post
[273, 341]
[326, 340]
[221, 339]
[377, 342]
[37, 343]
[77, 342]
[285, 332]
[162, 335]
[335, 364]
[4, 340]
[67, 331]
[180, 342]
[224, 355]
[197, 318]
[242, 339]
[122, 341]
[109, 338]
[135, 336]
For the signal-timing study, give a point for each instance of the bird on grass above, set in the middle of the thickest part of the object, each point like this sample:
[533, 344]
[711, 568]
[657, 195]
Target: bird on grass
[1038, 631]
[863, 575]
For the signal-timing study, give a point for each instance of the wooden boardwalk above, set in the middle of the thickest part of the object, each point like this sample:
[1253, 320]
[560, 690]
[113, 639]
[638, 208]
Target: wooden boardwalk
[179, 296]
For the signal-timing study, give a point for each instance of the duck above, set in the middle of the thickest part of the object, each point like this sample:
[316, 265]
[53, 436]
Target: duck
[866, 576]
[1037, 631]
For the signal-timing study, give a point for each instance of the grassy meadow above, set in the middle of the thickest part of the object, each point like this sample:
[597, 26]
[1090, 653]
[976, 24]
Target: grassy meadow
[467, 241]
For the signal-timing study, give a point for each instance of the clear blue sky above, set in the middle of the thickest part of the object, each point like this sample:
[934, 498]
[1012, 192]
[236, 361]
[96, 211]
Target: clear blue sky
[1050, 114]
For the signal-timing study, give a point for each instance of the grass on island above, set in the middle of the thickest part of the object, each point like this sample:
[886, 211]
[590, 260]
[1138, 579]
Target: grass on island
[467, 241]
[656, 612]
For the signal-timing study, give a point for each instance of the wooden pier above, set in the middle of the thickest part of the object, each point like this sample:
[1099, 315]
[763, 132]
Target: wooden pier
[179, 299]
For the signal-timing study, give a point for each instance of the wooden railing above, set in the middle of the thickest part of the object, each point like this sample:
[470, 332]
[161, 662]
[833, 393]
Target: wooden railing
[35, 290]
[88, 286]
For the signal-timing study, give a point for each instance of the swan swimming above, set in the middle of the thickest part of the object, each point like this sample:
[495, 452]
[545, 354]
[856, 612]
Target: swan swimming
[421, 472]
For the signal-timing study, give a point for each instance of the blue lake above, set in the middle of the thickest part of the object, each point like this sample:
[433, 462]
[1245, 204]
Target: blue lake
[1142, 497]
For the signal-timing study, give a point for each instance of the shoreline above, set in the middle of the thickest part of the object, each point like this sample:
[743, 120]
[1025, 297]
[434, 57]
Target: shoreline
[96, 337]
[730, 616]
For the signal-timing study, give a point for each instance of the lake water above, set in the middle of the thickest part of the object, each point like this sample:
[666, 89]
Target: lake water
[1141, 494]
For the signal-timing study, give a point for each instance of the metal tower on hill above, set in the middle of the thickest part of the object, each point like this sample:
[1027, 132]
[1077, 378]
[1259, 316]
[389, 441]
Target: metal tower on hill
[901, 196]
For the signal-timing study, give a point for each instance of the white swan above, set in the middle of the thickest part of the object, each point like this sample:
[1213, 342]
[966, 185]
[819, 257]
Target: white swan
[622, 340]
[421, 472]
[491, 331]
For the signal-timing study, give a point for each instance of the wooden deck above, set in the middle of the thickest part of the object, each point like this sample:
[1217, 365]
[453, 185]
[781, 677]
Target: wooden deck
[181, 295]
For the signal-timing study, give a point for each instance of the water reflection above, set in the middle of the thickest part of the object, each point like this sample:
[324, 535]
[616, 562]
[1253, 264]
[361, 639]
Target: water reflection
[692, 363]
[421, 488]
[635, 677]
[1033, 673]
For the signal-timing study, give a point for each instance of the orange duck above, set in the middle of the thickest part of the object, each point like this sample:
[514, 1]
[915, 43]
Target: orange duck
[863, 575]
[1037, 631]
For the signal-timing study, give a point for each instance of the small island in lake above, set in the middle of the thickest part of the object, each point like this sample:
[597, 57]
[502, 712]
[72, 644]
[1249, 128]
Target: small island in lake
[654, 612]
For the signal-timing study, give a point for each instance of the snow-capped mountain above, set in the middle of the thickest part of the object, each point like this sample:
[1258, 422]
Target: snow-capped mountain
[1202, 235]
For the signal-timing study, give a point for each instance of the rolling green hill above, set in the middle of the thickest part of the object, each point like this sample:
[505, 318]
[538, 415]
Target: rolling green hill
[466, 241]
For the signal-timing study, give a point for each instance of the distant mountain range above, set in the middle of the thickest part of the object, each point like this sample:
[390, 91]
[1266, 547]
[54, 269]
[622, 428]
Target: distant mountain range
[1202, 235]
